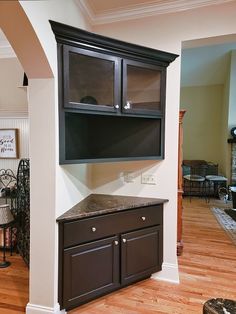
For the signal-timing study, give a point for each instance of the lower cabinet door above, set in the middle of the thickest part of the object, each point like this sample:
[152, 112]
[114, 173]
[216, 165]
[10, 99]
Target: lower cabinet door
[140, 254]
[90, 270]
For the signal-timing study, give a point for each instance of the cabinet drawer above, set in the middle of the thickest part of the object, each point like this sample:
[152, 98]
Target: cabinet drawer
[88, 229]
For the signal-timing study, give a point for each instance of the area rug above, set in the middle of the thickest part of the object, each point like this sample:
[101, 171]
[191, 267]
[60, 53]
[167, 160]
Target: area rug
[231, 213]
[227, 223]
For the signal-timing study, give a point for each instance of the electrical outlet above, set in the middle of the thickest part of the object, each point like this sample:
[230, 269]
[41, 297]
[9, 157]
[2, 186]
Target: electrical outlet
[128, 176]
[148, 179]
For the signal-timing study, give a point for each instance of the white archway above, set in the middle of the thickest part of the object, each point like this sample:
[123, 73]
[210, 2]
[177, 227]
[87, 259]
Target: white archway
[41, 96]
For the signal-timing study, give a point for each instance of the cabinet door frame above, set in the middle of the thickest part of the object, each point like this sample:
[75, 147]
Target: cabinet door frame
[88, 107]
[70, 301]
[126, 239]
[162, 70]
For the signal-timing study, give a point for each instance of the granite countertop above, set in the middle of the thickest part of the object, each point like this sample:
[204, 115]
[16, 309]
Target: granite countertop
[99, 204]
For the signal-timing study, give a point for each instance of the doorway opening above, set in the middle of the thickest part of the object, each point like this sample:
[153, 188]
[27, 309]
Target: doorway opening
[207, 94]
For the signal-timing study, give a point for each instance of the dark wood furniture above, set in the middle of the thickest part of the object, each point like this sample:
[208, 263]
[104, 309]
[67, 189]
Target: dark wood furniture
[107, 242]
[180, 185]
[111, 98]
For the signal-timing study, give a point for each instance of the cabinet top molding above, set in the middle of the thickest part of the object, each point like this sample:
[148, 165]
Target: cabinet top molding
[66, 34]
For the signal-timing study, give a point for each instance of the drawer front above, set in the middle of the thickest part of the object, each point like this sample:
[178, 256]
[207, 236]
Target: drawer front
[88, 229]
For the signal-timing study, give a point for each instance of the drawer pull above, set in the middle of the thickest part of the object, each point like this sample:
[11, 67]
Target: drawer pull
[94, 229]
[124, 240]
[143, 218]
[116, 242]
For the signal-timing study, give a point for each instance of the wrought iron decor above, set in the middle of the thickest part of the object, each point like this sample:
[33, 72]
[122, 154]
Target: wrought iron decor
[23, 209]
[8, 197]
[7, 183]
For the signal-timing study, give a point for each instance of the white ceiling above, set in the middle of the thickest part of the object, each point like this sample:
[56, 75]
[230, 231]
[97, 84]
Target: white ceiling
[107, 11]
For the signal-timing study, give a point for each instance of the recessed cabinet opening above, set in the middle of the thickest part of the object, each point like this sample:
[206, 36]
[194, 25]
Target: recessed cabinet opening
[90, 136]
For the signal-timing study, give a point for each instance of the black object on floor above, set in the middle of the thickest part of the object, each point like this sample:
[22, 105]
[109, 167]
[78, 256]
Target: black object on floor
[231, 213]
[219, 306]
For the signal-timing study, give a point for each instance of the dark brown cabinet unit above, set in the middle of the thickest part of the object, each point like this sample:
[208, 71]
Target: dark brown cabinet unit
[111, 98]
[106, 248]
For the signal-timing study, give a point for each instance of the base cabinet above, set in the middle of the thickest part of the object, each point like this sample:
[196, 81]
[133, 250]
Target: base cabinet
[104, 253]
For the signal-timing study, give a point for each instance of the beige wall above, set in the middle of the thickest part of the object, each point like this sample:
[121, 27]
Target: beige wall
[202, 122]
[13, 100]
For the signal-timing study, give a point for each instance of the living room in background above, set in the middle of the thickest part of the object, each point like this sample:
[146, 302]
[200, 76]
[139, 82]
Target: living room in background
[207, 94]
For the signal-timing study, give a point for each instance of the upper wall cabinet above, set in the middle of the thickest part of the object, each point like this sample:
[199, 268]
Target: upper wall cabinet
[111, 97]
[99, 81]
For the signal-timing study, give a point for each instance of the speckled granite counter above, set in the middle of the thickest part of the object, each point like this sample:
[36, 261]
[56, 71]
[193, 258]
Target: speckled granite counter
[99, 204]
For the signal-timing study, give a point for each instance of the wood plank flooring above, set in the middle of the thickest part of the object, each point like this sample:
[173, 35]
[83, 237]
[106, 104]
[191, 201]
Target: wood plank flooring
[207, 270]
[14, 286]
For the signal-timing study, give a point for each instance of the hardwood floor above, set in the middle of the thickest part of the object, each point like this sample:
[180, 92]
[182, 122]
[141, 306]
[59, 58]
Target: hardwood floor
[207, 270]
[14, 286]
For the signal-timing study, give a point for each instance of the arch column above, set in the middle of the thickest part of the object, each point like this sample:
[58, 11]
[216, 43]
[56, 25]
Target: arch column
[42, 116]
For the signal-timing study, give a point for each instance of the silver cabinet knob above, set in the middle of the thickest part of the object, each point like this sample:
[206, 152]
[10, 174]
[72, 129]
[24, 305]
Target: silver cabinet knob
[116, 242]
[124, 240]
[143, 218]
[94, 229]
[117, 106]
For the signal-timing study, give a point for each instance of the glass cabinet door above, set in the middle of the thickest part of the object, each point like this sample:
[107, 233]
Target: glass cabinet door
[143, 88]
[91, 81]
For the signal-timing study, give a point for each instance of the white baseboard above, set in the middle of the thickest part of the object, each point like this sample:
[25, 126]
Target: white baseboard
[39, 309]
[170, 272]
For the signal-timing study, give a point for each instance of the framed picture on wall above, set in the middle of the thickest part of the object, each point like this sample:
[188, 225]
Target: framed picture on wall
[9, 145]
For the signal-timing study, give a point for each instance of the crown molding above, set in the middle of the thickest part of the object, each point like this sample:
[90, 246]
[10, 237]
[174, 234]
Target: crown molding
[142, 10]
[6, 52]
